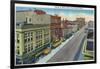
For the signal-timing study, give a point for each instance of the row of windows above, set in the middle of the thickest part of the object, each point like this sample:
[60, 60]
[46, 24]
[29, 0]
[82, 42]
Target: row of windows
[28, 34]
[39, 44]
[38, 41]
[39, 32]
[28, 37]
[28, 40]
[28, 48]
[38, 37]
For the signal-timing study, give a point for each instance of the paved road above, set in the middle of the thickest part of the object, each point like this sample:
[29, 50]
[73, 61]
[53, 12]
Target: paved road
[68, 52]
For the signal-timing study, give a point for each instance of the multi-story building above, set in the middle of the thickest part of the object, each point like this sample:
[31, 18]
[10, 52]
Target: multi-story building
[64, 23]
[31, 41]
[32, 35]
[80, 22]
[56, 30]
[88, 50]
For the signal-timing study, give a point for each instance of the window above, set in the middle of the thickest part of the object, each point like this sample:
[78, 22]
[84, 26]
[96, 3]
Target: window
[31, 34]
[18, 47]
[17, 50]
[29, 49]
[28, 39]
[90, 35]
[29, 19]
[31, 46]
[89, 46]
[25, 40]
[25, 35]
[39, 44]
[28, 36]
[17, 38]
[25, 50]
[38, 36]
[18, 41]
[31, 38]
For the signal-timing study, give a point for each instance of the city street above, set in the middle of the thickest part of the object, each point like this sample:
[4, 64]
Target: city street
[69, 51]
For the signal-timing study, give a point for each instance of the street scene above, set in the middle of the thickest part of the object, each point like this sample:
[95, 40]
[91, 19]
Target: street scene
[47, 34]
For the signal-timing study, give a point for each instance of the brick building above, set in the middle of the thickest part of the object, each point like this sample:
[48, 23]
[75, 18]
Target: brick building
[56, 30]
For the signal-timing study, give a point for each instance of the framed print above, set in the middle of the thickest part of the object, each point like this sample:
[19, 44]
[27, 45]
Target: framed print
[52, 34]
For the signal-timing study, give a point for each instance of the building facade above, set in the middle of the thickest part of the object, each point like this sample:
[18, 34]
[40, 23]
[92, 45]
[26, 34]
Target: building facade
[88, 51]
[64, 26]
[80, 22]
[31, 41]
[33, 16]
[56, 30]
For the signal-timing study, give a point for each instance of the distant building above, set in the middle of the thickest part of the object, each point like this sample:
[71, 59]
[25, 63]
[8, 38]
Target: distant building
[31, 41]
[56, 30]
[91, 24]
[73, 27]
[64, 26]
[69, 27]
[80, 22]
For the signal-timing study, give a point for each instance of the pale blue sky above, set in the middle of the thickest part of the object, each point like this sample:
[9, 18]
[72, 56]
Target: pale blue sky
[66, 11]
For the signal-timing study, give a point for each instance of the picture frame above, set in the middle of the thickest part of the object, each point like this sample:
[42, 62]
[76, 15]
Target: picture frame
[53, 11]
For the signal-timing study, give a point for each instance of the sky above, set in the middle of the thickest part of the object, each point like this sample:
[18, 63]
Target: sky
[69, 13]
